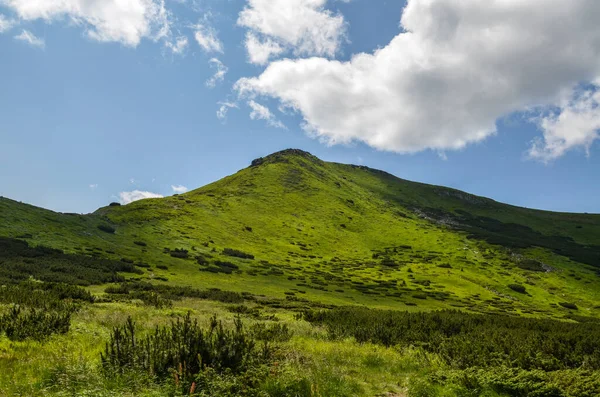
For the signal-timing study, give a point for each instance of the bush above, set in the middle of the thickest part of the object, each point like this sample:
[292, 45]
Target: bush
[20, 261]
[39, 309]
[20, 324]
[518, 288]
[531, 265]
[201, 259]
[272, 333]
[257, 162]
[467, 340]
[517, 382]
[182, 349]
[45, 296]
[176, 293]
[179, 253]
[570, 306]
[152, 299]
[117, 289]
[140, 243]
[107, 229]
[237, 253]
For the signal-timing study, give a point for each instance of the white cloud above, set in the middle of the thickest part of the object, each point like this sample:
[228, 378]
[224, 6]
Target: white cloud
[6, 24]
[220, 72]
[179, 46]
[304, 26]
[179, 189]
[457, 67]
[259, 52]
[130, 197]
[94, 186]
[224, 109]
[126, 22]
[574, 125]
[206, 36]
[261, 112]
[31, 39]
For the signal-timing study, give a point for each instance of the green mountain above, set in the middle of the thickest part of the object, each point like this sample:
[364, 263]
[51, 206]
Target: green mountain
[293, 225]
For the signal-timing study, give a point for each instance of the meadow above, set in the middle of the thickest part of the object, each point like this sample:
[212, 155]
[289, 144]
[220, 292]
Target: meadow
[297, 277]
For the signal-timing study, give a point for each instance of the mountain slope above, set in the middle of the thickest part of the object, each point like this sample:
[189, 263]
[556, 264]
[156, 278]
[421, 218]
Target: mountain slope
[340, 234]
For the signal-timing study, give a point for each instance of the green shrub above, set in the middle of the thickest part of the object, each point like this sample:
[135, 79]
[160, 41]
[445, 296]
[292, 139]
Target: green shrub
[182, 349]
[45, 296]
[518, 288]
[567, 305]
[467, 340]
[20, 261]
[107, 229]
[271, 333]
[201, 259]
[20, 324]
[179, 253]
[152, 299]
[176, 293]
[221, 267]
[237, 253]
[117, 289]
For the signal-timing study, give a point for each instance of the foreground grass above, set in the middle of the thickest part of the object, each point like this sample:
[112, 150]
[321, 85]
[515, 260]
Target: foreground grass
[311, 363]
[69, 364]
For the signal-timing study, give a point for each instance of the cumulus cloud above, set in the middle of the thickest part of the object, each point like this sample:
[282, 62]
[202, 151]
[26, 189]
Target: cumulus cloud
[444, 81]
[220, 72]
[178, 46]
[206, 36]
[179, 189]
[31, 39]
[304, 26]
[261, 112]
[93, 186]
[575, 124]
[126, 22]
[6, 24]
[130, 197]
[224, 109]
[259, 52]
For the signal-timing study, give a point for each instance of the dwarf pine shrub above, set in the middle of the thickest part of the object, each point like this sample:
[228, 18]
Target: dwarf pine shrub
[182, 350]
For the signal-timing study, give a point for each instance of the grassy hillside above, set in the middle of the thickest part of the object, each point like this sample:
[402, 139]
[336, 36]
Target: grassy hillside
[287, 253]
[340, 234]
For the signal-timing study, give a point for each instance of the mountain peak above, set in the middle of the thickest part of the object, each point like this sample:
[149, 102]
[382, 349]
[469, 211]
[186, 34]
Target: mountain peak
[285, 156]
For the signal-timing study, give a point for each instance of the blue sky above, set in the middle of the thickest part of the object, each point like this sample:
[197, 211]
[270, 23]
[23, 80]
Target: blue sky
[98, 102]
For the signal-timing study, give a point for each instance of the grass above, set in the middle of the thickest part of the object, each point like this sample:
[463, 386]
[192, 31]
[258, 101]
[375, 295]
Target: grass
[288, 213]
[69, 365]
[294, 231]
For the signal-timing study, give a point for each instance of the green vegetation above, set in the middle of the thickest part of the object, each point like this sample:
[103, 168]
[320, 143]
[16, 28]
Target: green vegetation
[465, 340]
[20, 261]
[39, 310]
[518, 288]
[325, 279]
